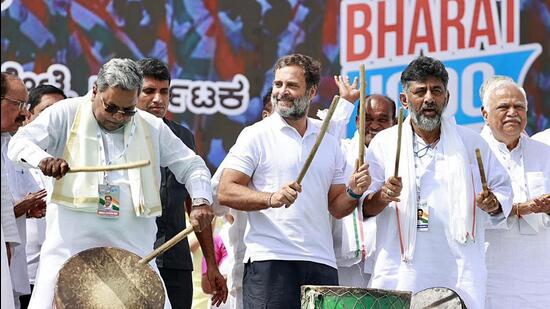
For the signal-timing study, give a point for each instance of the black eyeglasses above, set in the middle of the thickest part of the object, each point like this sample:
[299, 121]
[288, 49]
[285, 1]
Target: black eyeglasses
[113, 109]
[23, 105]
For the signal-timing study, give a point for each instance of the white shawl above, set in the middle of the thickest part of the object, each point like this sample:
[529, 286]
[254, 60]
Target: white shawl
[461, 195]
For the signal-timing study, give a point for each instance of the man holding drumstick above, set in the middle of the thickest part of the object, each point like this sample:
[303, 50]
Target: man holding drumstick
[518, 255]
[437, 175]
[288, 237]
[104, 128]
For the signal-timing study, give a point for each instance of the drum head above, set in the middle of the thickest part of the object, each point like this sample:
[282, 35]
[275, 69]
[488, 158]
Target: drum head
[442, 298]
[108, 278]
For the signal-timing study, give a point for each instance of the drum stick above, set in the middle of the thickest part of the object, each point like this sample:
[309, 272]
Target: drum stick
[324, 128]
[399, 130]
[114, 167]
[362, 114]
[481, 170]
[167, 245]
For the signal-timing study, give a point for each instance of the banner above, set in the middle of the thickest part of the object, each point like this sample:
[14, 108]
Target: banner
[221, 52]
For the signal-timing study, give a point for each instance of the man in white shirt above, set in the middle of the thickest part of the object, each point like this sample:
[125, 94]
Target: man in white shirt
[518, 255]
[40, 98]
[105, 128]
[438, 174]
[14, 98]
[290, 246]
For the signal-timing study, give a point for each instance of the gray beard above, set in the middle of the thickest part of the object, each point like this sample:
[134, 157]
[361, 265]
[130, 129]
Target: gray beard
[425, 123]
[296, 111]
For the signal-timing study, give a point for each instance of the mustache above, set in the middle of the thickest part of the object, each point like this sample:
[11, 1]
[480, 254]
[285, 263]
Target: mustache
[284, 97]
[427, 106]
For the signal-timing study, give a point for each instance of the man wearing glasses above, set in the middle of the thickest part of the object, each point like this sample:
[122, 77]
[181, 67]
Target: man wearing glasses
[21, 196]
[102, 129]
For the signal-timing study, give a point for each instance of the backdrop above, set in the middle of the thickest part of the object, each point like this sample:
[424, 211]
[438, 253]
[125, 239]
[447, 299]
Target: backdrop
[221, 52]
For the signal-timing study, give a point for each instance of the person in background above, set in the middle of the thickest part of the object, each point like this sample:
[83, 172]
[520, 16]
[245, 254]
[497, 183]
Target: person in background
[175, 264]
[28, 197]
[40, 98]
[14, 103]
[518, 255]
[355, 234]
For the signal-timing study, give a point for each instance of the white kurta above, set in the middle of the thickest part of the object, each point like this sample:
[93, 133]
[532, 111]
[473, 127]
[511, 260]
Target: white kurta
[11, 234]
[518, 257]
[352, 232]
[69, 232]
[438, 260]
[36, 230]
[21, 183]
[543, 136]
[7, 293]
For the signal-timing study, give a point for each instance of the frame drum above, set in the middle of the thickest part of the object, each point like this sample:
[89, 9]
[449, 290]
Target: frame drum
[442, 298]
[106, 277]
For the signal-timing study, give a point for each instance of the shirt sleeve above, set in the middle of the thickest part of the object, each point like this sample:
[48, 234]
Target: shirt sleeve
[339, 122]
[498, 181]
[188, 167]
[244, 155]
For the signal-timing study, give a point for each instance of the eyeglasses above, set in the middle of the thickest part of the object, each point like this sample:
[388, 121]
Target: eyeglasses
[113, 109]
[23, 105]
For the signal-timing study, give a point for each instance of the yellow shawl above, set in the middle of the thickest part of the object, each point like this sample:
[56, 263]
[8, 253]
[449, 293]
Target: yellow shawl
[79, 191]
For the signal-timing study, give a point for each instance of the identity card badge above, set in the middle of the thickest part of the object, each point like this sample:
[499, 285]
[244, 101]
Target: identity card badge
[109, 203]
[423, 216]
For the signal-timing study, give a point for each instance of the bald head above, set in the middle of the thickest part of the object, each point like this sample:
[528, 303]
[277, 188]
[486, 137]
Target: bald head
[380, 111]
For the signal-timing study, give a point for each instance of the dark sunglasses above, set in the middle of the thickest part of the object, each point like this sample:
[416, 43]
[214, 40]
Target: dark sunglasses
[113, 109]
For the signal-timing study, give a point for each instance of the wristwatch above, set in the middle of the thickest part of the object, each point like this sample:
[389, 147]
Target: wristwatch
[200, 201]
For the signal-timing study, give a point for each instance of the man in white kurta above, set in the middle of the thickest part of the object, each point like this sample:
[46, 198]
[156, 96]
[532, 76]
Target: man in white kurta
[111, 110]
[438, 174]
[518, 255]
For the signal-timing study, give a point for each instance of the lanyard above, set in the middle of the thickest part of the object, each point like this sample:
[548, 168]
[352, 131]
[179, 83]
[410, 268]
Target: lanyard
[417, 157]
[103, 149]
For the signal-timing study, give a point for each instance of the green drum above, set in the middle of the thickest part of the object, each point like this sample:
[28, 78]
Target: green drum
[340, 297]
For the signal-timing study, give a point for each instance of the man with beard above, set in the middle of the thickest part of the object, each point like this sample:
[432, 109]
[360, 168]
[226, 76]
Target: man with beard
[290, 246]
[518, 256]
[437, 174]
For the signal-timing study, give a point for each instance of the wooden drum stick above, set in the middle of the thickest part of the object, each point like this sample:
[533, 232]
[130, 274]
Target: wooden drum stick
[481, 170]
[362, 114]
[114, 167]
[324, 128]
[399, 130]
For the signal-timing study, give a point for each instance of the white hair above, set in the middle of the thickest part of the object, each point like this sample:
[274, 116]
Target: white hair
[496, 82]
